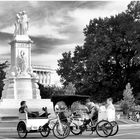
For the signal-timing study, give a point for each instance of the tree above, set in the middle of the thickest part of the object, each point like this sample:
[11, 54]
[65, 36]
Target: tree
[47, 91]
[109, 57]
[3, 66]
[65, 68]
[128, 101]
[70, 89]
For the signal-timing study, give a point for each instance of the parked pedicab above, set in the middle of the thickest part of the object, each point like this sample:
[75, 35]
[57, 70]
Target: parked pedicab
[33, 122]
[32, 125]
[79, 124]
[42, 125]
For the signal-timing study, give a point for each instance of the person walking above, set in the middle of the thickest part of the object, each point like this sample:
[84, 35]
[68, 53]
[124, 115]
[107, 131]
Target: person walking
[110, 110]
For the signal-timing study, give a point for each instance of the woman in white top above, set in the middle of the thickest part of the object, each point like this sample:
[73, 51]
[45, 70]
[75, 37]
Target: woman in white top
[110, 110]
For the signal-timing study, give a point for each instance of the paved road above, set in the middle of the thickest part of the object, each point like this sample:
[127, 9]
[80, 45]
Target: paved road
[130, 133]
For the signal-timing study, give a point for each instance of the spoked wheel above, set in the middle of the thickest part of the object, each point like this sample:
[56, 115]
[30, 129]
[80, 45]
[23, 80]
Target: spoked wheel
[45, 132]
[75, 129]
[104, 128]
[21, 129]
[61, 130]
[115, 128]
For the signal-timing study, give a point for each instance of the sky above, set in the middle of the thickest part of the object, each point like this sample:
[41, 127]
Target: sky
[55, 26]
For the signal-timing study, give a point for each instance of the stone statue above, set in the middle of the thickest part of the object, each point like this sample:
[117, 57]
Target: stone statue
[17, 24]
[22, 63]
[21, 24]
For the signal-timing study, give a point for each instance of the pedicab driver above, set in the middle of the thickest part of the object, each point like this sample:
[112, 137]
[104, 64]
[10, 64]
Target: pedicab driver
[92, 109]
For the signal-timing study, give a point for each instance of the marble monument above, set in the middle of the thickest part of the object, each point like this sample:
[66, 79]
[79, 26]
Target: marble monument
[21, 81]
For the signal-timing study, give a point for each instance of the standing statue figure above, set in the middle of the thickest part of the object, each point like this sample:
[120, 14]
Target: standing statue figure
[21, 24]
[22, 63]
[17, 24]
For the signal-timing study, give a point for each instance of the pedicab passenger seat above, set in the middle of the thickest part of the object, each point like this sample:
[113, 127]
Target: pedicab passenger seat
[23, 116]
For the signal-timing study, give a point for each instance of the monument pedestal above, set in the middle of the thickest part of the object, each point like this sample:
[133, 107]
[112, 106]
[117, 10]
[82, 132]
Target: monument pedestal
[21, 87]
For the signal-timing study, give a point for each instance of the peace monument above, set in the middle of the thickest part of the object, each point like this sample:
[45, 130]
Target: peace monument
[21, 81]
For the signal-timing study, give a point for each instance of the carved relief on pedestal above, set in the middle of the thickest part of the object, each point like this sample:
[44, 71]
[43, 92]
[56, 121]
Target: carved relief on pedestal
[22, 62]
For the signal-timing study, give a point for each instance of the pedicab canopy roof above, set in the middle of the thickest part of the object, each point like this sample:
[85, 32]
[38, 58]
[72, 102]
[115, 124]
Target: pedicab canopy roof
[68, 99]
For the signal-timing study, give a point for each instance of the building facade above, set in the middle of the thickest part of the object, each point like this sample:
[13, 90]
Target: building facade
[44, 73]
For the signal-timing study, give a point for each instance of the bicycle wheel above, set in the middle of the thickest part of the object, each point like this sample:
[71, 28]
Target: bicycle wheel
[75, 129]
[115, 128]
[104, 128]
[21, 129]
[45, 132]
[61, 131]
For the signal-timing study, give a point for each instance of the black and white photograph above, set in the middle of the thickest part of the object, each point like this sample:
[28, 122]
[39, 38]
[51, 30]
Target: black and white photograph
[70, 69]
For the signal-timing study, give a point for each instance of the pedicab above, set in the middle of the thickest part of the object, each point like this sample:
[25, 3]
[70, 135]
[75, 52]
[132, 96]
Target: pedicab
[62, 120]
[32, 125]
[78, 124]
[42, 125]
[104, 124]
[98, 123]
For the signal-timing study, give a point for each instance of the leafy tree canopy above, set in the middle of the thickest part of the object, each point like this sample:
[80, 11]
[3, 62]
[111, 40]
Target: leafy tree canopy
[3, 66]
[109, 57]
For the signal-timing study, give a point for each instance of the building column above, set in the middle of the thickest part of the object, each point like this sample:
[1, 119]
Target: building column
[44, 78]
[40, 77]
[49, 80]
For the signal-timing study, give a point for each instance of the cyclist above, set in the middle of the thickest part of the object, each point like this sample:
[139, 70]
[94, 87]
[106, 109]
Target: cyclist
[93, 114]
[93, 110]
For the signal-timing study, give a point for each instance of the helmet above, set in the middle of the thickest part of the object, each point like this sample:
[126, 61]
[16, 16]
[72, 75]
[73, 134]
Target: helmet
[90, 105]
[56, 107]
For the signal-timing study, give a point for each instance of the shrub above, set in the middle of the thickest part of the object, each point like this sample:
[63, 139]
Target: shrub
[128, 101]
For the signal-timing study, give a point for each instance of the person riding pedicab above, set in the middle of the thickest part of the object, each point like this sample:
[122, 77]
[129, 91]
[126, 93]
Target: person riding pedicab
[60, 109]
[93, 110]
[24, 109]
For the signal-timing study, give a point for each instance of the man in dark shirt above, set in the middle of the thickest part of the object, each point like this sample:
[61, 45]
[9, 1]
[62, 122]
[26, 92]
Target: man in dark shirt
[24, 109]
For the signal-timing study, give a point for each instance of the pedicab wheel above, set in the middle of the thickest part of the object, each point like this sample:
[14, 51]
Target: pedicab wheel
[75, 129]
[115, 128]
[104, 128]
[61, 131]
[21, 129]
[45, 132]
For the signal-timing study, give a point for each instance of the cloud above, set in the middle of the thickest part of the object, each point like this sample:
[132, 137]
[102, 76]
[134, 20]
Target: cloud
[55, 26]
[45, 45]
[82, 16]
[53, 56]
